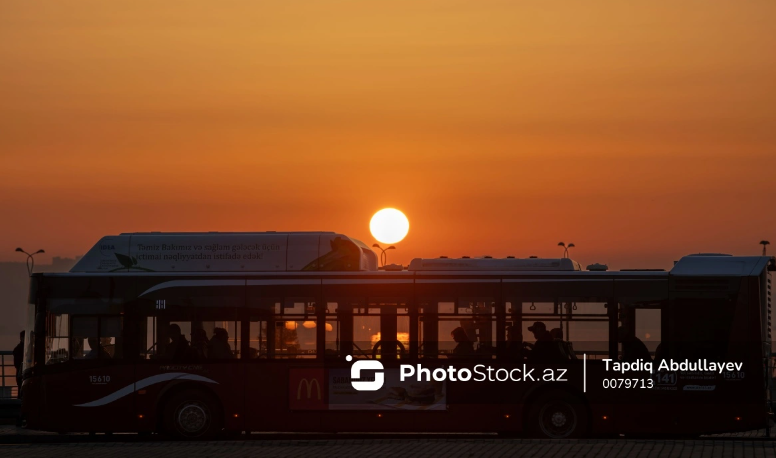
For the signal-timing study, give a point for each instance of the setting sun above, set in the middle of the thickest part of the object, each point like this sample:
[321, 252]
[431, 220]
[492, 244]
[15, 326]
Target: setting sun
[389, 226]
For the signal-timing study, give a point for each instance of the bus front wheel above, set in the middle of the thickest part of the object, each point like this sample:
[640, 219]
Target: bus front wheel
[192, 415]
[557, 415]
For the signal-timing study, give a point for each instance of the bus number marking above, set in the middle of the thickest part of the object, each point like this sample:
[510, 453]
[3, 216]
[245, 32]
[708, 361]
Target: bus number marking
[99, 379]
[666, 378]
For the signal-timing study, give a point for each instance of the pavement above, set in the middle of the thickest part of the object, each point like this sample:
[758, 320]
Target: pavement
[30, 444]
[375, 448]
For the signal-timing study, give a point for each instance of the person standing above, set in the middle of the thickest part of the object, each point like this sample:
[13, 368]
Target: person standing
[18, 360]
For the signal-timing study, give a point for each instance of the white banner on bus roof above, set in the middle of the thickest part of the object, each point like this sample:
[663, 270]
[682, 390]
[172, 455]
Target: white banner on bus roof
[224, 252]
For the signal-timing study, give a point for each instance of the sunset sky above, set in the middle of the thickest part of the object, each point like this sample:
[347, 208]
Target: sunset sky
[640, 131]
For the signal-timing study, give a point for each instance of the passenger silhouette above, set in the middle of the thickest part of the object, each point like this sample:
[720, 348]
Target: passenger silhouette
[464, 347]
[96, 349]
[545, 349]
[178, 349]
[633, 349]
[18, 360]
[219, 348]
[565, 350]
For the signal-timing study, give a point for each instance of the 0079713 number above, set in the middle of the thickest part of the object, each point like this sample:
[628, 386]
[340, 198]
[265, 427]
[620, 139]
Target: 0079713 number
[628, 383]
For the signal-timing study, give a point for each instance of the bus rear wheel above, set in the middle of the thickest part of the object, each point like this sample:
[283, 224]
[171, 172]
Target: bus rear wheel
[192, 415]
[557, 416]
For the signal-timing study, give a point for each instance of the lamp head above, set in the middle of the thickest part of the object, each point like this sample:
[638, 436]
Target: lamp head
[391, 248]
[561, 244]
[571, 245]
[22, 251]
[39, 251]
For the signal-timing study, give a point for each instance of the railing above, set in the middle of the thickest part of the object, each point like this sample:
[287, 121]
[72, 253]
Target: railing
[8, 388]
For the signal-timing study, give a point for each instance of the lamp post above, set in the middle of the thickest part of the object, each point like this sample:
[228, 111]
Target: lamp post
[566, 248]
[764, 243]
[30, 259]
[383, 254]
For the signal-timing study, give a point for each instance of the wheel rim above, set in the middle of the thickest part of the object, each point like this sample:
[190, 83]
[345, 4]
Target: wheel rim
[192, 418]
[558, 419]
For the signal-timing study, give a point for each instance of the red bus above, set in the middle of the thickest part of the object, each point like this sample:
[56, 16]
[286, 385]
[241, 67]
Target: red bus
[195, 334]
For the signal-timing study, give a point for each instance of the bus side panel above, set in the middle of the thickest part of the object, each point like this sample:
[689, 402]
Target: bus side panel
[91, 397]
[222, 380]
[283, 396]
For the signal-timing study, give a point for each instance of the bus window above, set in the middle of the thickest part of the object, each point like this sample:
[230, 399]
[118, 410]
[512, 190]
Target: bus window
[149, 349]
[392, 337]
[639, 332]
[648, 328]
[257, 347]
[296, 330]
[588, 337]
[465, 328]
[223, 339]
[585, 329]
[57, 338]
[111, 336]
[295, 339]
[96, 337]
[85, 338]
[366, 331]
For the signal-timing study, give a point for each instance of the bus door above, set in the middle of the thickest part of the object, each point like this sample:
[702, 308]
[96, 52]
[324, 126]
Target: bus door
[86, 367]
[461, 324]
[643, 402]
[284, 374]
[190, 337]
[368, 320]
[716, 320]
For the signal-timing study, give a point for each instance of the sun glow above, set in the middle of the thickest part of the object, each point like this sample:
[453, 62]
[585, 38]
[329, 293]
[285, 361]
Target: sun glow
[389, 226]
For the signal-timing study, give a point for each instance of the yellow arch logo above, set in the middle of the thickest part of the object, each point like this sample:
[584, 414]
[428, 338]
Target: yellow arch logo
[309, 385]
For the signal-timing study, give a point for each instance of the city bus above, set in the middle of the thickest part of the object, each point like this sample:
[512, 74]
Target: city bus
[194, 335]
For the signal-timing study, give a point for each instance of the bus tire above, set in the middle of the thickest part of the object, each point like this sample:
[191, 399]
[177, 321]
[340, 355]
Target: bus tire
[557, 415]
[192, 415]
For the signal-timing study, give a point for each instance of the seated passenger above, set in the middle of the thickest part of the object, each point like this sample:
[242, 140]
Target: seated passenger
[545, 350]
[96, 349]
[77, 347]
[633, 349]
[565, 349]
[465, 347]
[219, 348]
[178, 349]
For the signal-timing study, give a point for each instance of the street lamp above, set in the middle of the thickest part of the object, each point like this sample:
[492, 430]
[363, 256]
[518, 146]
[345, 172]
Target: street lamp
[383, 254]
[570, 245]
[30, 259]
[764, 243]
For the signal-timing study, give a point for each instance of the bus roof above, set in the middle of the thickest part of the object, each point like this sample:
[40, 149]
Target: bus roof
[502, 264]
[721, 265]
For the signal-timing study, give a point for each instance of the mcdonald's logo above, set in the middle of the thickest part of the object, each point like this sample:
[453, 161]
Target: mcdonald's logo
[309, 387]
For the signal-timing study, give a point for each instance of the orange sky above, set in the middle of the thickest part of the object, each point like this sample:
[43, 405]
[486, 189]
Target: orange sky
[639, 130]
